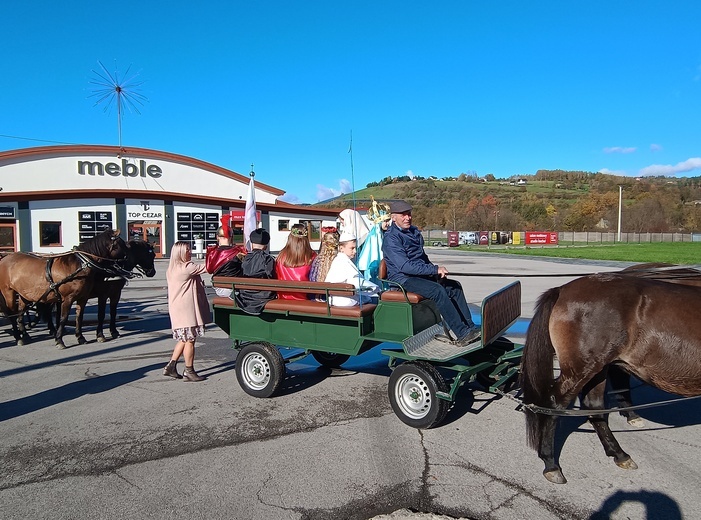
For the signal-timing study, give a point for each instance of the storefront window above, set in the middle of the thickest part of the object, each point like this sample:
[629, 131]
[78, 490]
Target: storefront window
[283, 225]
[313, 229]
[7, 238]
[50, 233]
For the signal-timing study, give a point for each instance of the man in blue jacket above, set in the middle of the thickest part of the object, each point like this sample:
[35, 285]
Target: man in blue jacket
[408, 265]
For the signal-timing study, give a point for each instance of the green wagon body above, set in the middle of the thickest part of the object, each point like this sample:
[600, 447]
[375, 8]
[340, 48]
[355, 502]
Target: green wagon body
[401, 319]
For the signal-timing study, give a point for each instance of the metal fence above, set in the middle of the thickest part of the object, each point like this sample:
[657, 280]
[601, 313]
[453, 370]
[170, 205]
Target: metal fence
[588, 237]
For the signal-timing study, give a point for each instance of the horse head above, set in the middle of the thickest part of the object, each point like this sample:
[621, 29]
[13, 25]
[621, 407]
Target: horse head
[141, 255]
[107, 245]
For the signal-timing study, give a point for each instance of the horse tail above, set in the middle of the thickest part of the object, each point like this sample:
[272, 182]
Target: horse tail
[537, 377]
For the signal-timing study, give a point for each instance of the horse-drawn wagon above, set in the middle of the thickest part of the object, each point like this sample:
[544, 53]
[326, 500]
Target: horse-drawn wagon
[426, 372]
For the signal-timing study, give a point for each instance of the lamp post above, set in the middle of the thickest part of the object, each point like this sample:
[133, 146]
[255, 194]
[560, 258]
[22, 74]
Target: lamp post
[620, 199]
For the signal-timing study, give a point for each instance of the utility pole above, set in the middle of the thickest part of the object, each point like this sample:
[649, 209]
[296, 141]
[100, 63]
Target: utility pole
[620, 200]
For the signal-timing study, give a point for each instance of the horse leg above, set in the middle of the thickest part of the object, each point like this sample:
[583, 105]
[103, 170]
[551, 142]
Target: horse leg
[593, 399]
[114, 302]
[8, 305]
[620, 384]
[64, 310]
[548, 424]
[79, 311]
[101, 305]
[22, 335]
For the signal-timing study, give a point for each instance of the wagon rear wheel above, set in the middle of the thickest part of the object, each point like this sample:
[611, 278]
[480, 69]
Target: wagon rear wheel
[412, 393]
[260, 369]
[329, 359]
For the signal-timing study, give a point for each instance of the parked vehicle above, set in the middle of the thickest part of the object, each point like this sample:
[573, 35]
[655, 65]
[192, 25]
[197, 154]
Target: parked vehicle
[468, 238]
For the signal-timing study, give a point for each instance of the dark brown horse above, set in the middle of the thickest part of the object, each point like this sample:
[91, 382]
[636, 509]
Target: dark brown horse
[619, 379]
[648, 327]
[56, 279]
[140, 256]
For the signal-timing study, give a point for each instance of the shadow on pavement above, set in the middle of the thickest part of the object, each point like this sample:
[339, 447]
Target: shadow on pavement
[70, 391]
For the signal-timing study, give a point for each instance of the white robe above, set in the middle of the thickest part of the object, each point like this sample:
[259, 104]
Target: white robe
[343, 270]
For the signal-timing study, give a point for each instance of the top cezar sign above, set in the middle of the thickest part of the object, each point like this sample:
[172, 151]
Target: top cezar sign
[126, 169]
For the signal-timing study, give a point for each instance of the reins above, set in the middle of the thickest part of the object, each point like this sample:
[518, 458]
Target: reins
[632, 272]
[581, 412]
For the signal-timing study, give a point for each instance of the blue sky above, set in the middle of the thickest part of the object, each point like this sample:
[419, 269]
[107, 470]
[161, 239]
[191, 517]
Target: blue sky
[425, 88]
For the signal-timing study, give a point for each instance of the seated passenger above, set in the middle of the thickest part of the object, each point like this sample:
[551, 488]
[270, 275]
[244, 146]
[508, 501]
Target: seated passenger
[224, 259]
[322, 263]
[408, 265]
[343, 270]
[256, 264]
[294, 261]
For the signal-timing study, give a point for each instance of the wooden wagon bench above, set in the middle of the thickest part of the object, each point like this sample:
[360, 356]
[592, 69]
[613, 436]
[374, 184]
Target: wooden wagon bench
[418, 391]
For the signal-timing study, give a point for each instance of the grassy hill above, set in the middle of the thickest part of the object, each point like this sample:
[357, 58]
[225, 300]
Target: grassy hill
[550, 200]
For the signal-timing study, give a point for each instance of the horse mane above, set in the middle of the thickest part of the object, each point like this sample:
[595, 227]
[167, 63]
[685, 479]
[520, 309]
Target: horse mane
[98, 246]
[661, 271]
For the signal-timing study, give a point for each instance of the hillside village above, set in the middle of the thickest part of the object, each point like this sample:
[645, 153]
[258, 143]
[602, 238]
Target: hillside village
[549, 200]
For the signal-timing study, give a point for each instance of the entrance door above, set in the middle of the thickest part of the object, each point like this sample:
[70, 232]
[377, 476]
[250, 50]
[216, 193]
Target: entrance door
[7, 238]
[151, 232]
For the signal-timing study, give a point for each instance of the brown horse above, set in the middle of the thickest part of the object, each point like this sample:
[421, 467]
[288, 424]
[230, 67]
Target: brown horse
[140, 256]
[619, 379]
[57, 279]
[647, 326]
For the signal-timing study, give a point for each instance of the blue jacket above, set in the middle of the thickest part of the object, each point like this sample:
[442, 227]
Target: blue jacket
[404, 254]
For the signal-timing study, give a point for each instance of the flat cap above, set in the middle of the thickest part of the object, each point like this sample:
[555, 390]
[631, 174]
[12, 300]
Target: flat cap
[260, 236]
[399, 206]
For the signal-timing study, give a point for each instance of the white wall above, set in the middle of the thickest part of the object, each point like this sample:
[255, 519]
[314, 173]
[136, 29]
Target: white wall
[65, 211]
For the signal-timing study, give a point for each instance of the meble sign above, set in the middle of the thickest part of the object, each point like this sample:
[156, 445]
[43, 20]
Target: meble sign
[126, 169]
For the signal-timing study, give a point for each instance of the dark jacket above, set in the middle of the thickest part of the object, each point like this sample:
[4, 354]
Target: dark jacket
[404, 255]
[256, 264]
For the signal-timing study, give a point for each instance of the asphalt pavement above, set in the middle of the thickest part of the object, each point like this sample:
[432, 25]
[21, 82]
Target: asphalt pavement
[96, 431]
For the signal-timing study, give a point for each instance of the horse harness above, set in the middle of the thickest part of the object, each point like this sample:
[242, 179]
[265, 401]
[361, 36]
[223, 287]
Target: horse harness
[85, 263]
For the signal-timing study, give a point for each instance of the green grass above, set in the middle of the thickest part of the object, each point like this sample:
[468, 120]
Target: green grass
[687, 253]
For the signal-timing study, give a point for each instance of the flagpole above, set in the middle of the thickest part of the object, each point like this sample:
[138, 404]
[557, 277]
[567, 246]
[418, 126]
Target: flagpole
[250, 222]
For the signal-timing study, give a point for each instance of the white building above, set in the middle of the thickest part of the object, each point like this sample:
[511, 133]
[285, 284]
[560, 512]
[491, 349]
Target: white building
[54, 197]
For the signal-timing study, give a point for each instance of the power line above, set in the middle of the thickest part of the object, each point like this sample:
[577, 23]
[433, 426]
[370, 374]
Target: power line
[34, 139]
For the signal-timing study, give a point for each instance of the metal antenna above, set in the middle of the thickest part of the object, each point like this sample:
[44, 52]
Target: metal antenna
[122, 93]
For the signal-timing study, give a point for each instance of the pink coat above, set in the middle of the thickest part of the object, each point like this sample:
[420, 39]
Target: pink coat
[187, 302]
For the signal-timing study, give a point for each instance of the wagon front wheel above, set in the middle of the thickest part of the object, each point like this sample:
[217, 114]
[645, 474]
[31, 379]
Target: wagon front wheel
[329, 359]
[260, 369]
[412, 393]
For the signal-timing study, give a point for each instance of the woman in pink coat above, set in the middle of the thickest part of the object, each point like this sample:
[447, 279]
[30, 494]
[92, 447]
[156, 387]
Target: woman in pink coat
[188, 308]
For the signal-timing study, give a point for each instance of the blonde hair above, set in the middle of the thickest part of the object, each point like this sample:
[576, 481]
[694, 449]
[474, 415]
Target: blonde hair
[177, 255]
[327, 252]
[297, 252]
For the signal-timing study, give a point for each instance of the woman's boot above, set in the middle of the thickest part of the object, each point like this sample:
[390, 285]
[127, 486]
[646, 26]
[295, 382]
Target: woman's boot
[171, 370]
[190, 375]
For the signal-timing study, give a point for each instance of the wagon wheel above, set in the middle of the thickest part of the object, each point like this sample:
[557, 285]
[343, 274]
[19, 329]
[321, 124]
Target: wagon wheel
[260, 369]
[412, 393]
[329, 359]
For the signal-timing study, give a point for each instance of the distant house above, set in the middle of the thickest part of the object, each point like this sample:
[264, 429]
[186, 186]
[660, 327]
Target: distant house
[521, 182]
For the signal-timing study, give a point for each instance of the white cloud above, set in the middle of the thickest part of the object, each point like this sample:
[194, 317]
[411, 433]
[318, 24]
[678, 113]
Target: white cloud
[324, 192]
[612, 172]
[655, 147]
[690, 164]
[619, 149]
[291, 198]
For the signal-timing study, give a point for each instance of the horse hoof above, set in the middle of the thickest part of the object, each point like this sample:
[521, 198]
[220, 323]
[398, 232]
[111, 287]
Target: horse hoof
[82, 340]
[555, 476]
[627, 464]
[636, 422]
[101, 339]
[20, 343]
[114, 334]
[60, 346]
